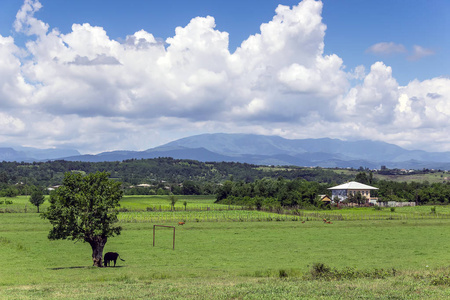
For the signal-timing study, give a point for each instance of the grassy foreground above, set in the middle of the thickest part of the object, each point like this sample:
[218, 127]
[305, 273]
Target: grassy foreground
[374, 259]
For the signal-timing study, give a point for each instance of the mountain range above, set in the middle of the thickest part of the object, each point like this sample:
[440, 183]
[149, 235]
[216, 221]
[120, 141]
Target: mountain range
[260, 150]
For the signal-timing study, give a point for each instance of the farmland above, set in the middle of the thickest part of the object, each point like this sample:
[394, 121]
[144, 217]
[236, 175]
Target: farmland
[223, 254]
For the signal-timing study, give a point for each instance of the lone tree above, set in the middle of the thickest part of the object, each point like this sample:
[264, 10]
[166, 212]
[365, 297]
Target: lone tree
[172, 200]
[37, 198]
[85, 209]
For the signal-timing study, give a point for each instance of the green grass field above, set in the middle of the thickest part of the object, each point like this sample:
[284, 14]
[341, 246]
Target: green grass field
[133, 203]
[232, 258]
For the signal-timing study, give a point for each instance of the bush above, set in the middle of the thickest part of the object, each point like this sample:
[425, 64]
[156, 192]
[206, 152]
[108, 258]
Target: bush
[392, 209]
[324, 272]
[320, 270]
[282, 273]
[441, 280]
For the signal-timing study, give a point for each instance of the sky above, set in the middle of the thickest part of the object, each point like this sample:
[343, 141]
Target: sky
[131, 75]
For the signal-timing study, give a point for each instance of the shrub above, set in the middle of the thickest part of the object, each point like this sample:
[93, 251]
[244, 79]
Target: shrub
[320, 270]
[392, 209]
[441, 280]
[282, 273]
[433, 210]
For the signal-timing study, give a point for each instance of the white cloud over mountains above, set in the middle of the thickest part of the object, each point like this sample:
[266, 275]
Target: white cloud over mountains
[86, 90]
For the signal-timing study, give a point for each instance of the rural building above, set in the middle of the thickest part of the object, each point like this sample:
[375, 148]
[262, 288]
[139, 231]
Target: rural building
[325, 199]
[345, 190]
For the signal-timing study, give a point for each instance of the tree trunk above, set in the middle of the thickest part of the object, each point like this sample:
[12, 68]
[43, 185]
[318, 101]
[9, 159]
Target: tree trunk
[97, 244]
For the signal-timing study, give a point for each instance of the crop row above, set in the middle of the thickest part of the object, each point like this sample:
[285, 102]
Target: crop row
[259, 216]
[203, 216]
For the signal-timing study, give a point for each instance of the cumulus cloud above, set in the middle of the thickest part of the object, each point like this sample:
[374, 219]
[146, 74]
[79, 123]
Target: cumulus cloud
[27, 23]
[101, 59]
[86, 90]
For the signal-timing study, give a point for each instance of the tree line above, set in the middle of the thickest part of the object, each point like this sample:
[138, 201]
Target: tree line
[236, 183]
[161, 175]
[267, 193]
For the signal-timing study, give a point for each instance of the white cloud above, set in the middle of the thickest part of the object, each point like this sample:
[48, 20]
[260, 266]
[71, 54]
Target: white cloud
[14, 90]
[373, 101]
[10, 125]
[420, 52]
[427, 102]
[391, 48]
[26, 23]
[386, 48]
[86, 90]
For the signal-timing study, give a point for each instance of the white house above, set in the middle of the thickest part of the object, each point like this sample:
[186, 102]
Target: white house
[351, 188]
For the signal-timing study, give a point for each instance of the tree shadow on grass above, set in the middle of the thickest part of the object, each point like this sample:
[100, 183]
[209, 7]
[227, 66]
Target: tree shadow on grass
[81, 267]
[68, 268]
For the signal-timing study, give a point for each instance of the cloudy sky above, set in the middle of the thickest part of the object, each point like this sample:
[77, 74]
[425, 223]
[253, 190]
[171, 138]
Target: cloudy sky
[108, 75]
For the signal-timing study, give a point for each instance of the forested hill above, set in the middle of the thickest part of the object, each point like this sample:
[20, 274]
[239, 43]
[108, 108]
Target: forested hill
[171, 170]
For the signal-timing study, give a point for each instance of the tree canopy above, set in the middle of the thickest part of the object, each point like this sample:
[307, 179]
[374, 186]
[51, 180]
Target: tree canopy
[37, 198]
[85, 209]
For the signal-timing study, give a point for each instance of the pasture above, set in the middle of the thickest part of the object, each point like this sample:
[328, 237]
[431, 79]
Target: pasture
[132, 203]
[233, 258]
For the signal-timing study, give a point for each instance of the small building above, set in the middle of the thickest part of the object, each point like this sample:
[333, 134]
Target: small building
[345, 190]
[325, 199]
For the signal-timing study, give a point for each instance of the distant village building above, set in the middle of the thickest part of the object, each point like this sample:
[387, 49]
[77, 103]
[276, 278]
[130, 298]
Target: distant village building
[52, 188]
[145, 185]
[325, 199]
[343, 191]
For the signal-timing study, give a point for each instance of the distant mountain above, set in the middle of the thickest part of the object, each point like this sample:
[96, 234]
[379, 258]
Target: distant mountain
[199, 154]
[262, 150]
[28, 154]
[323, 152]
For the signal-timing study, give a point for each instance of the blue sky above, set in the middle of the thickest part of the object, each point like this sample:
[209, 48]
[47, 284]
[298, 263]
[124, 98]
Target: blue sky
[378, 71]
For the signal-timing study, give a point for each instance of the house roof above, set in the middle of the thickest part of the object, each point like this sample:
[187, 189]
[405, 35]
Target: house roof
[353, 185]
[325, 198]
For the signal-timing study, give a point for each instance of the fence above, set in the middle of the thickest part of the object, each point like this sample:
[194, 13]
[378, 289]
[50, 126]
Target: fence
[259, 216]
[395, 204]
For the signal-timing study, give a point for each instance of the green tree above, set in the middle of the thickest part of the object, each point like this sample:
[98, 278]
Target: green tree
[37, 198]
[190, 188]
[361, 177]
[357, 198]
[85, 209]
[9, 192]
[4, 177]
[172, 200]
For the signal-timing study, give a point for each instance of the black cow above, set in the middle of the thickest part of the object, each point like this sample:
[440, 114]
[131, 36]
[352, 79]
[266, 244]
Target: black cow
[111, 256]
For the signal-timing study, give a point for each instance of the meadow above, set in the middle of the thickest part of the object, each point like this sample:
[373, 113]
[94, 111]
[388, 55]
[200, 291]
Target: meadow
[233, 257]
[432, 177]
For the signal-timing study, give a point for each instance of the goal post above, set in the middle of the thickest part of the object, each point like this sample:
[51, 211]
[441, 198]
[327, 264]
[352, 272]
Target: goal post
[154, 233]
